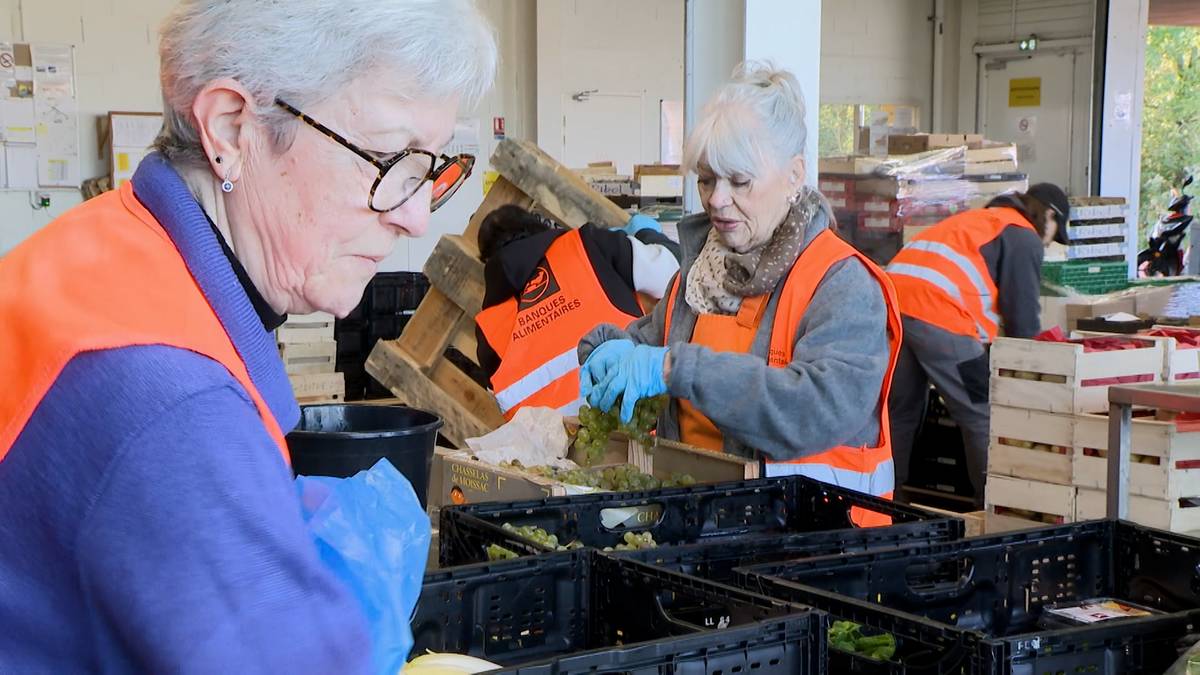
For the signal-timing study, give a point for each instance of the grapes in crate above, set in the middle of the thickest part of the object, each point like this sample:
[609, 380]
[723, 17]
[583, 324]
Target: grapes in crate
[595, 426]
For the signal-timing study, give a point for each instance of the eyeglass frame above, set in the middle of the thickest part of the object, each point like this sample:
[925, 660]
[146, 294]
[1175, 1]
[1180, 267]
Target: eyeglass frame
[385, 165]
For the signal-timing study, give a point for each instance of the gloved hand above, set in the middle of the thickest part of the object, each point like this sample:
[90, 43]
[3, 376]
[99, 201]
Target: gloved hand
[640, 222]
[600, 363]
[638, 375]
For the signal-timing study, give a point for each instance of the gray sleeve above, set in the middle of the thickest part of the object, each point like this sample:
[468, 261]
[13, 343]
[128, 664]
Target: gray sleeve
[646, 330]
[1017, 255]
[825, 397]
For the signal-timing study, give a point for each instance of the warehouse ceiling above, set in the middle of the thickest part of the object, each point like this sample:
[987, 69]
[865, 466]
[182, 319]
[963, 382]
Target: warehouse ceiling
[1175, 12]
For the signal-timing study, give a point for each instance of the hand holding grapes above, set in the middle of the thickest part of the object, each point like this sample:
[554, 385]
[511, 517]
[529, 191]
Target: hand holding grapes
[638, 374]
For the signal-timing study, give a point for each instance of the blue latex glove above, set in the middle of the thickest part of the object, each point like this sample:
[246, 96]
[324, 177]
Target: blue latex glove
[639, 222]
[600, 363]
[638, 375]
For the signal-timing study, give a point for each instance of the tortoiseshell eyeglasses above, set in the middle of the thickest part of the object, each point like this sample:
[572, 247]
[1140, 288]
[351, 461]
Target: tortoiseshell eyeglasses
[402, 175]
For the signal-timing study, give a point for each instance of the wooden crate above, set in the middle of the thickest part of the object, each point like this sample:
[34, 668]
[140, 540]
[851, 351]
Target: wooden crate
[302, 358]
[1031, 444]
[319, 387]
[315, 327]
[1059, 376]
[980, 523]
[1164, 463]
[416, 367]
[1164, 514]
[1045, 503]
[465, 479]
[1178, 363]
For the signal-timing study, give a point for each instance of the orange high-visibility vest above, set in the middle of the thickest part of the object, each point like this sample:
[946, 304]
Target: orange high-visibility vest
[537, 335]
[105, 275]
[865, 469]
[942, 279]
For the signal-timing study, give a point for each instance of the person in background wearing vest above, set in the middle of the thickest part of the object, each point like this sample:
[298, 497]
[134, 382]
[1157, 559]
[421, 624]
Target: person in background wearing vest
[777, 339]
[547, 286]
[958, 283]
[150, 521]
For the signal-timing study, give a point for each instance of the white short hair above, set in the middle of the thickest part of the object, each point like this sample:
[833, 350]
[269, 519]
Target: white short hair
[755, 120]
[305, 51]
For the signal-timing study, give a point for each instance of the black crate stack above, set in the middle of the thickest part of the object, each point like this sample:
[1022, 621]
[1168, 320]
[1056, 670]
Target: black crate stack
[388, 303]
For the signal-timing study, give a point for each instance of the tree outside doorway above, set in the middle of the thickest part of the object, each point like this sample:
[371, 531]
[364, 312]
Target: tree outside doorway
[1170, 118]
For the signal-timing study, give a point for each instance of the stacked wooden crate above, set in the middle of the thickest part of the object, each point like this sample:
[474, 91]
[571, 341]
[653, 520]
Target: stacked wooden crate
[1098, 228]
[1164, 483]
[309, 355]
[1048, 399]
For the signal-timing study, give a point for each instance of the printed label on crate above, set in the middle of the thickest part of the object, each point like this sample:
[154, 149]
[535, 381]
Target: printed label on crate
[877, 206]
[1095, 612]
[828, 186]
[837, 202]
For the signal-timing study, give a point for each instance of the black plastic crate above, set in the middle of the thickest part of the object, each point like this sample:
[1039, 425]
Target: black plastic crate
[391, 293]
[584, 612]
[777, 508]
[974, 606]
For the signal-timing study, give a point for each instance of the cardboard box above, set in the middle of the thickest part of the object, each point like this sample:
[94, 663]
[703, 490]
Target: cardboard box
[907, 144]
[910, 144]
[1082, 308]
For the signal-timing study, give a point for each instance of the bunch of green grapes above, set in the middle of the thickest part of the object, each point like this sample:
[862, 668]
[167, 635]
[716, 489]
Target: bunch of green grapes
[496, 552]
[540, 537]
[595, 426]
[633, 541]
[618, 478]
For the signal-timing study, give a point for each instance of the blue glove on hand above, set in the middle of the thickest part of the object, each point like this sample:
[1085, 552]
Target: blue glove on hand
[638, 375]
[639, 222]
[600, 363]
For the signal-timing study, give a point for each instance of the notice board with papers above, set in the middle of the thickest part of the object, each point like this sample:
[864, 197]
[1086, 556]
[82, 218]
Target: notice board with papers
[39, 117]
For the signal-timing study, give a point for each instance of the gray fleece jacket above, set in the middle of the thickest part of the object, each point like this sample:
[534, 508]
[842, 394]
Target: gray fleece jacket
[827, 396]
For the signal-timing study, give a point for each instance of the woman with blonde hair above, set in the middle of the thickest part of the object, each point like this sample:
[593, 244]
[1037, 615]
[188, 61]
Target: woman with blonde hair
[777, 339]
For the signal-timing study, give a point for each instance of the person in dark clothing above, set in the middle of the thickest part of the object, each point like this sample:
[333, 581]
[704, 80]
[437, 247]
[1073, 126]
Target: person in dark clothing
[959, 283]
[547, 286]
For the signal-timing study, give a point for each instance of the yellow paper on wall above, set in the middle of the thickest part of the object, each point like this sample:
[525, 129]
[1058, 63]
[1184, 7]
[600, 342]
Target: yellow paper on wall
[489, 179]
[122, 161]
[1025, 92]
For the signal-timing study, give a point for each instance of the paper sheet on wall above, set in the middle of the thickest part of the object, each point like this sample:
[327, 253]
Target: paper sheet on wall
[125, 162]
[466, 138]
[53, 71]
[57, 142]
[21, 165]
[135, 131]
[17, 117]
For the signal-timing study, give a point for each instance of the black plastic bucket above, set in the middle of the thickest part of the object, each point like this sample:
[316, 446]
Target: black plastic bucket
[341, 440]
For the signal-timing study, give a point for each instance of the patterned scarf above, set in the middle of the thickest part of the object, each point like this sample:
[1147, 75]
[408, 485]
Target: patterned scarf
[720, 277]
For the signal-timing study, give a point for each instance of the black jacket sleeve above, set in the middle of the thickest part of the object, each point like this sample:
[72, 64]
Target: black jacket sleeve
[1014, 260]
[652, 237]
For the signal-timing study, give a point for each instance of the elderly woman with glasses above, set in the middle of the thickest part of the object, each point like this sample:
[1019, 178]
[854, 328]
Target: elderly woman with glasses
[777, 339]
[150, 519]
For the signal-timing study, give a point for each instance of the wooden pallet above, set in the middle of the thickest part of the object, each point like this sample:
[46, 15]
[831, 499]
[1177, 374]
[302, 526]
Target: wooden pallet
[415, 367]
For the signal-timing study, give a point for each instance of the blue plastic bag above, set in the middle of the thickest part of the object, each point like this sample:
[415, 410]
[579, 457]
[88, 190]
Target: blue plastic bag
[373, 534]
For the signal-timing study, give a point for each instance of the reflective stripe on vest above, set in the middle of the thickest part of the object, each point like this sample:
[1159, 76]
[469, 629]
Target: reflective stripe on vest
[537, 335]
[937, 279]
[868, 470]
[881, 481]
[941, 277]
[104, 275]
[559, 366]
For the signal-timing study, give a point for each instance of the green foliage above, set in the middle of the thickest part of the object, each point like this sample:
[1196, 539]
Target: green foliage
[1170, 119]
[836, 130]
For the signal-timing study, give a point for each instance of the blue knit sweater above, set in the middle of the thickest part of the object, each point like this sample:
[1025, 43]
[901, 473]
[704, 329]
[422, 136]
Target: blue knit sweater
[147, 520]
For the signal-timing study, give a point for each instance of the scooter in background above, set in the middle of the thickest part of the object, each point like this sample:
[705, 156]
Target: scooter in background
[1164, 253]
